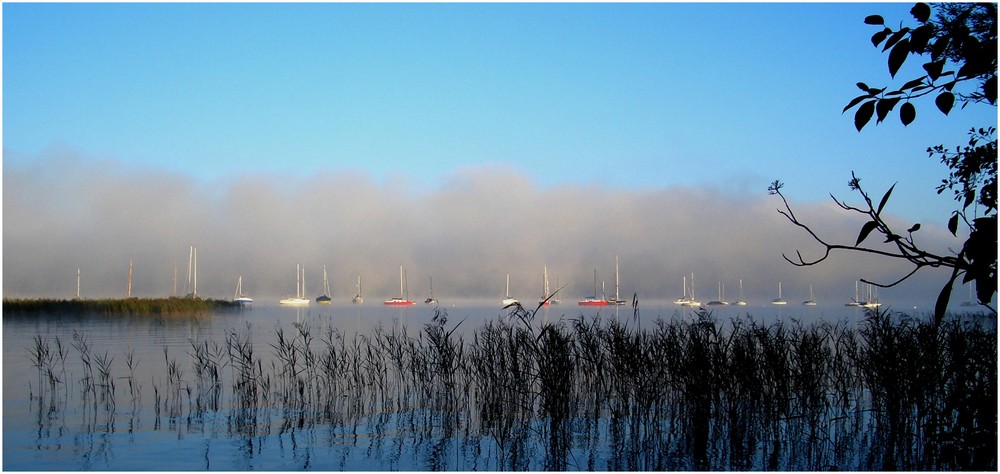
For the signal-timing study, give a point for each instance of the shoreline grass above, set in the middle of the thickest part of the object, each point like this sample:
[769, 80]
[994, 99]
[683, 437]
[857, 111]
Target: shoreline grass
[115, 306]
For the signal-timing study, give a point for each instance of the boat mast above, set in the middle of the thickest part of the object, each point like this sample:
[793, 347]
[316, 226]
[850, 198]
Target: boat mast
[128, 286]
[77, 282]
[326, 282]
[616, 278]
[692, 287]
[196, 272]
[187, 286]
[545, 282]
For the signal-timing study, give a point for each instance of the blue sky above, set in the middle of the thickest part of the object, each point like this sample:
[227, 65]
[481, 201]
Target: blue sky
[616, 97]
[628, 95]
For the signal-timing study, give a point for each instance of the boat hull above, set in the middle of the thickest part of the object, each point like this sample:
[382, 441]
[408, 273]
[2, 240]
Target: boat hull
[592, 303]
[398, 302]
[294, 302]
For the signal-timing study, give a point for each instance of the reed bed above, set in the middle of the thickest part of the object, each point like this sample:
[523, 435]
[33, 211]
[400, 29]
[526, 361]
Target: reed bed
[116, 306]
[690, 393]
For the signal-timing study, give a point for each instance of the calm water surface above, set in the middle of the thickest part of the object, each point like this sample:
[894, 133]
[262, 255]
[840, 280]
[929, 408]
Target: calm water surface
[143, 425]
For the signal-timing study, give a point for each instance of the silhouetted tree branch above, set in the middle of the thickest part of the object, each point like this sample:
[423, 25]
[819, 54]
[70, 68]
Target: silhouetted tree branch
[961, 41]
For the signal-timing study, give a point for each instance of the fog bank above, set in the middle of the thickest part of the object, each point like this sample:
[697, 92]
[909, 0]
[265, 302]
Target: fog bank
[65, 211]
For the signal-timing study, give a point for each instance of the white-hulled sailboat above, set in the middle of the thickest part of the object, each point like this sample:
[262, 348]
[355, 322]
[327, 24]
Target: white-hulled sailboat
[507, 299]
[741, 301]
[239, 298]
[812, 299]
[779, 300]
[616, 300]
[300, 284]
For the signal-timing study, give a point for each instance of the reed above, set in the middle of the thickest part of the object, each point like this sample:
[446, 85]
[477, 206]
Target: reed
[689, 393]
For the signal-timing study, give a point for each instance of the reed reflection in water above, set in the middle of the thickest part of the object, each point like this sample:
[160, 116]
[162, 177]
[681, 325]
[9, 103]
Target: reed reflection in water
[522, 393]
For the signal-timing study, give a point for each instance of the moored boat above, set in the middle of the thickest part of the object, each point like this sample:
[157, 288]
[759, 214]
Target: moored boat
[403, 299]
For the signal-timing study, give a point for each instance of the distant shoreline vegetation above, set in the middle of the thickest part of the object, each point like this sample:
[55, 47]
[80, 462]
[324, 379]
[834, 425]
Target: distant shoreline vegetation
[123, 306]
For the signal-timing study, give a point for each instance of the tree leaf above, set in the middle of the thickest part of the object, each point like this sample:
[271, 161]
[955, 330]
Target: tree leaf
[855, 101]
[953, 225]
[970, 196]
[919, 38]
[913, 229]
[942, 301]
[879, 37]
[939, 46]
[934, 69]
[895, 38]
[907, 113]
[921, 12]
[898, 55]
[883, 107]
[885, 198]
[864, 114]
[863, 86]
[945, 101]
[874, 20]
[990, 90]
[865, 230]
[912, 84]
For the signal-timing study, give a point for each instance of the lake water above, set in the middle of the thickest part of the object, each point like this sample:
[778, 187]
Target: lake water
[161, 414]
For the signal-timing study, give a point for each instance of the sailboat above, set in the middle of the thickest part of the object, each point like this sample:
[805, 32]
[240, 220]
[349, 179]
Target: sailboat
[300, 289]
[358, 298]
[872, 301]
[779, 300]
[741, 301]
[594, 300]
[239, 298]
[720, 301]
[507, 299]
[325, 297]
[430, 299]
[616, 300]
[688, 299]
[855, 301]
[404, 294]
[812, 299]
[545, 300]
[684, 300]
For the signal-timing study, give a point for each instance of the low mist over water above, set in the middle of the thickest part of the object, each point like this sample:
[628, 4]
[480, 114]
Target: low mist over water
[64, 211]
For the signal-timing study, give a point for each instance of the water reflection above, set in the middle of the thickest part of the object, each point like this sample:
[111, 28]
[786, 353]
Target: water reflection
[355, 388]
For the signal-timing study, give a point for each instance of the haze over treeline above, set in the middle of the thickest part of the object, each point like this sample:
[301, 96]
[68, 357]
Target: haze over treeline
[64, 210]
